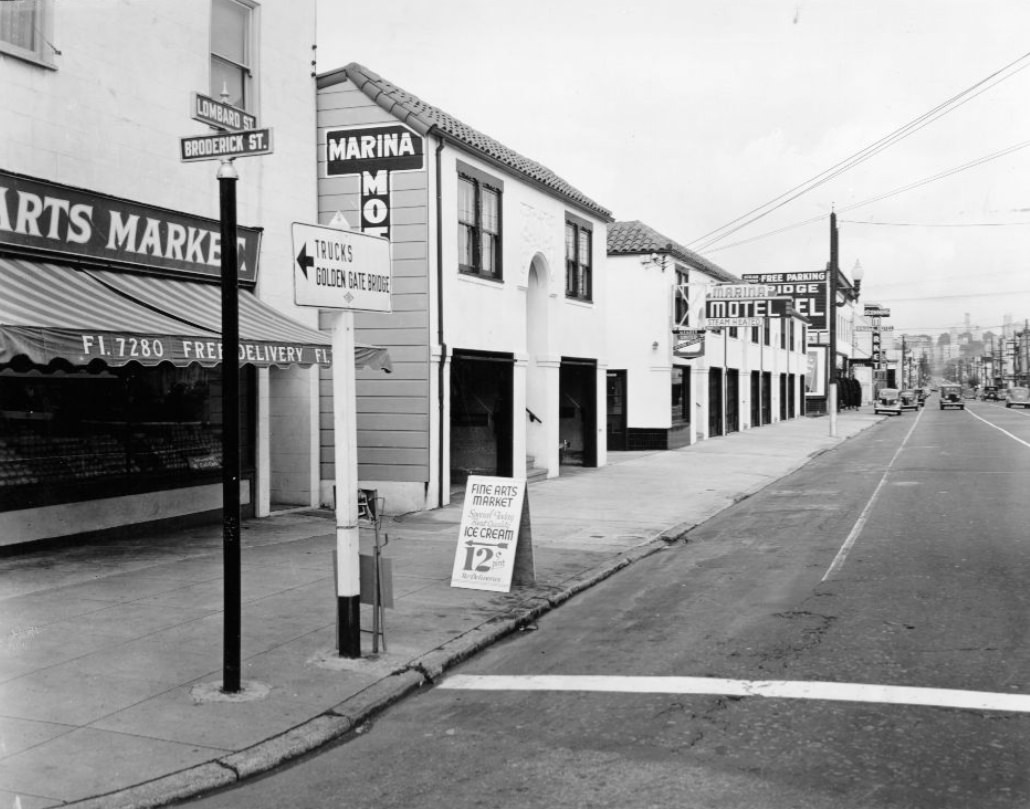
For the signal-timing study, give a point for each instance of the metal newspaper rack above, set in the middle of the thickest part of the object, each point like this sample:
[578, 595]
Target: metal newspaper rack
[373, 591]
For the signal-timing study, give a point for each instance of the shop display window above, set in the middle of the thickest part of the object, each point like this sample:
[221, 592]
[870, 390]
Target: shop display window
[76, 434]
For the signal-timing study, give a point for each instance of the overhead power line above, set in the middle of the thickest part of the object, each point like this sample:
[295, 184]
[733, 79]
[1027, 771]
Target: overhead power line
[711, 238]
[880, 197]
[936, 224]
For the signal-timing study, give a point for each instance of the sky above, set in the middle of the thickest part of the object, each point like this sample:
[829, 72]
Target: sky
[689, 114]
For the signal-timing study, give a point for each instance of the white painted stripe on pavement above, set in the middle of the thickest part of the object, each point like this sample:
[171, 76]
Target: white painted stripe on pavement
[845, 549]
[996, 427]
[714, 686]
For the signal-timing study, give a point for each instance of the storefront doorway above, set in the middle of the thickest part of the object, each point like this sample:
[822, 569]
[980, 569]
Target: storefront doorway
[756, 399]
[714, 402]
[732, 400]
[766, 397]
[616, 424]
[481, 415]
[577, 406]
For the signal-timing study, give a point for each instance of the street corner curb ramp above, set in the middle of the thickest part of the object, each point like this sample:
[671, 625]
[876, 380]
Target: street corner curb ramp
[349, 715]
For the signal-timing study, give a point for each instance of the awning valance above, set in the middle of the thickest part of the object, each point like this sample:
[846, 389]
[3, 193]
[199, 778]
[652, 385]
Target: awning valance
[52, 311]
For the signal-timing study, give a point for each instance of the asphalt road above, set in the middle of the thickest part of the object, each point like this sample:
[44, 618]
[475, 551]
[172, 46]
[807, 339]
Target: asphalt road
[853, 636]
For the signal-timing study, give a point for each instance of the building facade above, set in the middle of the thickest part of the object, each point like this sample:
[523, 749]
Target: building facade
[671, 380]
[499, 288]
[110, 367]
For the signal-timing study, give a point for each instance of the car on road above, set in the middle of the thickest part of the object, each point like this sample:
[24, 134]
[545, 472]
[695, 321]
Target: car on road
[969, 393]
[888, 401]
[951, 396]
[922, 394]
[909, 399]
[1017, 397]
[990, 394]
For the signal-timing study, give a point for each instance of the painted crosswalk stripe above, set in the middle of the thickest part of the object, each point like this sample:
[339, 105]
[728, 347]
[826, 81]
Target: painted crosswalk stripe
[713, 686]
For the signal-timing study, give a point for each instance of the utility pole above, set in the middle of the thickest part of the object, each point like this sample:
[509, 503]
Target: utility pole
[903, 362]
[831, 324]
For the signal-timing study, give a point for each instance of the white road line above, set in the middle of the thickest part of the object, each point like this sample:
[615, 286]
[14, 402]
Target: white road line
[713, 686]
[845, 549]
[999, 429]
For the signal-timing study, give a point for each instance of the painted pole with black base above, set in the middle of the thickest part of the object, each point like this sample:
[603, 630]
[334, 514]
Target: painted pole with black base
[232, 596]
[348, 578]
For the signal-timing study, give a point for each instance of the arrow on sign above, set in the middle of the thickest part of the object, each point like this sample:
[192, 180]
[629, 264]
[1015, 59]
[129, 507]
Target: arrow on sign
[304, 260]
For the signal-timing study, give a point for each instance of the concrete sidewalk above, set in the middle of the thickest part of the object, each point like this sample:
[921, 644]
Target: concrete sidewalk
[111, 654]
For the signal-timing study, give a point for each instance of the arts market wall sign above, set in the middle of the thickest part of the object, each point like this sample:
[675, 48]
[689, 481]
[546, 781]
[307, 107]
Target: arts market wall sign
[61, 223]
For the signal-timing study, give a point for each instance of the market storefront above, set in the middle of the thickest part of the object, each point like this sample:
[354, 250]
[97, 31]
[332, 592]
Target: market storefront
[111, 360]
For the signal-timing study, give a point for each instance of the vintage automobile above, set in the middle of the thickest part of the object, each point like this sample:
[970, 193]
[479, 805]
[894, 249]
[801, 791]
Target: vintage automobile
[951, 396]
[990, 394]
[921, 395]
[888, 401]
[969, 393]
[1017, 397]
[909, 399]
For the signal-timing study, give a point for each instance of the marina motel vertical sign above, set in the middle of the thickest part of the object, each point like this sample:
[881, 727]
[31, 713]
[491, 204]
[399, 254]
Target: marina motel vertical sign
[374, 154]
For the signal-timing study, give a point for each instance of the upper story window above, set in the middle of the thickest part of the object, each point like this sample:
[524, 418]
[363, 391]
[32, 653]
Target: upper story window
[479, 223]
[766, 330]
[233, 52]
[25, 29]
[681, 299]
[579, 260]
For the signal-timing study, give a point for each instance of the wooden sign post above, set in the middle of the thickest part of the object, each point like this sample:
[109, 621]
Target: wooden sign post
[495, 541]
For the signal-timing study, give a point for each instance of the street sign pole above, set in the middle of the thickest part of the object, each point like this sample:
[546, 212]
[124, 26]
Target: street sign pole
[227, 177]
[348, 535]
[236, 137]
[339, 270]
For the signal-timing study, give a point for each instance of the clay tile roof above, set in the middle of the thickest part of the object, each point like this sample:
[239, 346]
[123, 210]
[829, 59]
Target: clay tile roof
[636, 238]
[422, 117]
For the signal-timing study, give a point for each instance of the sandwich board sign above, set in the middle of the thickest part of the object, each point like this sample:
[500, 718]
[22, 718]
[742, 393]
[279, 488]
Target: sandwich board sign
[495, 548]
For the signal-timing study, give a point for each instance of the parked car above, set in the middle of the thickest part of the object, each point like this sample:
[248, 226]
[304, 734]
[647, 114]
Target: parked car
[1017, 397]
[990, 394]
[888, 401]
[951, 396]
[909, 400]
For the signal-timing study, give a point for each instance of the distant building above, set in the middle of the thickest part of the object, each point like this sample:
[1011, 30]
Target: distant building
[672, 382]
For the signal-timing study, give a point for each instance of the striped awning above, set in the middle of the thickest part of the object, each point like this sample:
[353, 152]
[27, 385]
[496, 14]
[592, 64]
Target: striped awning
[52, 311]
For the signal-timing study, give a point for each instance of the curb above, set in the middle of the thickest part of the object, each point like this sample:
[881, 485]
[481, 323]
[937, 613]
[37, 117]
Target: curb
[350, 714]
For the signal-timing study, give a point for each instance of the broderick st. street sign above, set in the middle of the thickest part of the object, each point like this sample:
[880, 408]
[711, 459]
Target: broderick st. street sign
[226, 144]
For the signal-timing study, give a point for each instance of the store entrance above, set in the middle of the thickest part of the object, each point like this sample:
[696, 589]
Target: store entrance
[481, 415]
[756, 399]
[714, 402]
[616, 410]
[732, 400]
[577, 408]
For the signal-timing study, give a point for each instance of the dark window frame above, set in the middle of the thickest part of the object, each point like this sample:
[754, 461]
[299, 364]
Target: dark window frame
[33, 18]
[477, 232]
[579, 274]
[245, 64]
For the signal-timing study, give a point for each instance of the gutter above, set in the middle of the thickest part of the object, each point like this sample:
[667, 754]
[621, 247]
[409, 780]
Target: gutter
[439, 314]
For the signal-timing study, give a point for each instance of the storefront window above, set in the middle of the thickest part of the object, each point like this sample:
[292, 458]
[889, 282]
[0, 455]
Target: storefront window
[72, 435]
